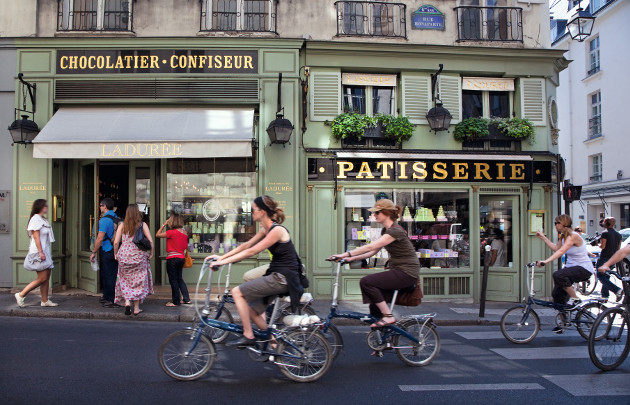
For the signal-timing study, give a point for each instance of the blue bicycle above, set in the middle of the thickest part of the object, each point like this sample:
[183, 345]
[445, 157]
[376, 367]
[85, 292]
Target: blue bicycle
[302, 353]
[414, 338]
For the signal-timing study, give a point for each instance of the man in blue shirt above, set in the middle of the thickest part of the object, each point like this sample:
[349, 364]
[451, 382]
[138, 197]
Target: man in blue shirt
[103, 245]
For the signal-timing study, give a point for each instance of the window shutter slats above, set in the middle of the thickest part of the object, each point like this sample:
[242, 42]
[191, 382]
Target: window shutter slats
[533, 100]
[325, 95]
[451, 95]
[416, 98]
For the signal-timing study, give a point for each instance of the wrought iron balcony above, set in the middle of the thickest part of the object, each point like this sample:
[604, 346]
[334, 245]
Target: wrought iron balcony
[238, 15]
[595, 127]
[593, 70]
[94, 15]
[371, 18]
[494, 24]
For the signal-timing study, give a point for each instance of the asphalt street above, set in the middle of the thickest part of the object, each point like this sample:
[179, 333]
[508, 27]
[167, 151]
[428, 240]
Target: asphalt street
[111, 362]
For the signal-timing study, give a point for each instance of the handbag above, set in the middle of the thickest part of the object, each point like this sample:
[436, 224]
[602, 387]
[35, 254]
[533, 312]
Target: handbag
[33, 262]
[140, 240]
[410, 298]
[188, 260]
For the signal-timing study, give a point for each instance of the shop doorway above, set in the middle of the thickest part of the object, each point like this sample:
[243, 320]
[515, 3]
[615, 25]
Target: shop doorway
[499, 228]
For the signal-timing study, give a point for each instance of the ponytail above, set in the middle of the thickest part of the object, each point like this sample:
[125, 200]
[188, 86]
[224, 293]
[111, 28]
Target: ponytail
[270, 206]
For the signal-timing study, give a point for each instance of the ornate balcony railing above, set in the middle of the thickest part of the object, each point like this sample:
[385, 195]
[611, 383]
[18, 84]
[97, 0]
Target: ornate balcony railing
[595, 127]
[94, 15]
[238, 15]
[501, 24]
[371, 18]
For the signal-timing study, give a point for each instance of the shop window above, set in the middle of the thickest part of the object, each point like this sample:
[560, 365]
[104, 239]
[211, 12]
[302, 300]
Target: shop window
[370, 100]
[593, 56]
[595, 168]
[214, 196]
[435, 220]
[495, 217]
[238, 15]
[487, 104]
[94, 15]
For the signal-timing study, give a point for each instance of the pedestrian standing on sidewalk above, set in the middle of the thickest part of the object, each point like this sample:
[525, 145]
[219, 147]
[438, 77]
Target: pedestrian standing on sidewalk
[610, 243]
[103, 245]
[39, 256]
[134, 280]
[176, 246]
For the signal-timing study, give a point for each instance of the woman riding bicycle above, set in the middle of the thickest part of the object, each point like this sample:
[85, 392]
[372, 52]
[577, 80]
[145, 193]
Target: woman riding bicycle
[404, 266]
[282, 277]
[579, 266]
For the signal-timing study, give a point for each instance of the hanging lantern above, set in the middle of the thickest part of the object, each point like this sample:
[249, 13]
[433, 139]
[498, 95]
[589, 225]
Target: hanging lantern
[439, 118]
[581, 25]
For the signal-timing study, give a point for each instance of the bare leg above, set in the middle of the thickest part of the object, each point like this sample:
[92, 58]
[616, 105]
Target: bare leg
[384, 308]
[136, 307]
[41, 278]
[43, 288]
[571, 292]
[258, 319]
[243, 310]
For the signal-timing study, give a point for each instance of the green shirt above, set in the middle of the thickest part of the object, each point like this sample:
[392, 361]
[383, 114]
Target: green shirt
[402, 255]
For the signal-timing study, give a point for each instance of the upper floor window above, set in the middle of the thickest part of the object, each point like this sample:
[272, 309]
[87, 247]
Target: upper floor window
[595, 120]
[373, 18]
[238, 15]
[593, 56]
[95, 15]
[596, 168]
[489, 20]
[368, 93]
[594, 4]
[486, 104]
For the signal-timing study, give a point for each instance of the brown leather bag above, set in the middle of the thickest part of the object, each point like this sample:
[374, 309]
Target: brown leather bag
[188, 260]
[410, 298]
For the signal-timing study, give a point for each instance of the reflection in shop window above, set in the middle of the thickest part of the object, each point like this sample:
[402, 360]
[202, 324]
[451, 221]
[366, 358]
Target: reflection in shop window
[214, 196]
[495, 217]
[435, 220]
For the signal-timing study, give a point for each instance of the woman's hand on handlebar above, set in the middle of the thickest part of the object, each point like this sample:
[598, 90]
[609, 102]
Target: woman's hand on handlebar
[541, 263]
[339, 257]
[213, 258]
[603, 268]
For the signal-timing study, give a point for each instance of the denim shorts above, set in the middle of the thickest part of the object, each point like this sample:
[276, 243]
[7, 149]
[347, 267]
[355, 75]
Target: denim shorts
[257, 290]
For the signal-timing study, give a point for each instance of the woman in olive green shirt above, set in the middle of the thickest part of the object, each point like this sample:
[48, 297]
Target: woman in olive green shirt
[404, 267]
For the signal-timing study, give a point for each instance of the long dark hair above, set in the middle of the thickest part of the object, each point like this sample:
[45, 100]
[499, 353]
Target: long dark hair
[133, 219]
[38, 206]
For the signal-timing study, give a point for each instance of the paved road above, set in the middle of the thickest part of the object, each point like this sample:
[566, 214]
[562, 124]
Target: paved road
[110, 362]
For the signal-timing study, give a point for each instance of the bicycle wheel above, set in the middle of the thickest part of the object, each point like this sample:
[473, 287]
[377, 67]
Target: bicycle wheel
[611, 348]
[216, 335]
[335, 339]
[176, 360]
[421, 353]
[520, 326]
[313, 350]
[587, 287]
[586, 317]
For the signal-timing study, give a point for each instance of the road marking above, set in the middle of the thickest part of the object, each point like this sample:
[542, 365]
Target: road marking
[544, 353]
[499, 335]
[583, 385]
[473, 387]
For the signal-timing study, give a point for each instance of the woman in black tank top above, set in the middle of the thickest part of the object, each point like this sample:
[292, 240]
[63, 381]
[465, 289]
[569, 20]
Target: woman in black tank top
[282, 277]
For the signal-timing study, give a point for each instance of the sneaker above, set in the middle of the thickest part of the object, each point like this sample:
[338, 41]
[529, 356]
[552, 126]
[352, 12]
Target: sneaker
[20, 300]
[572, 304]
[49, 303]
[558, 330]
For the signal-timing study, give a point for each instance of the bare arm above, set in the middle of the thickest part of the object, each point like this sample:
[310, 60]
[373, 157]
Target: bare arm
[363, 256]
[147, 234]
[362, 251]
[272, 237]
[617, 257]
[494, 257]
[117, 240]
[161, 233]
[602, 244]
[552, 246]
[38, 243]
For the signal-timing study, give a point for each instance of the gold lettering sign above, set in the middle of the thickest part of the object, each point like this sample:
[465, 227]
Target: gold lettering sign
[488, 84]
[143, 150]
[366, 79]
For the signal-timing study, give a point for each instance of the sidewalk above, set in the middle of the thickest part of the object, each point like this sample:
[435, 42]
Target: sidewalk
[82, 306]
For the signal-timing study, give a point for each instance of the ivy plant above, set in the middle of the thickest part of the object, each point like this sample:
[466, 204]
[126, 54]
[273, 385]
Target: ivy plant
[470, 129]
[517, 128]
[397, 128]
[353, 126]
[348, 125]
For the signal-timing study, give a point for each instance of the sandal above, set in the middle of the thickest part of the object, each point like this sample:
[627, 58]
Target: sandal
[170, 304]
[187, 302]
[137, 313]
[127, 310]
[382, 323]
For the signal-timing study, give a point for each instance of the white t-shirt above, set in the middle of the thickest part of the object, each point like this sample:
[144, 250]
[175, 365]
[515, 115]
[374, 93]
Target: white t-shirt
[46, 236]
[499, 246]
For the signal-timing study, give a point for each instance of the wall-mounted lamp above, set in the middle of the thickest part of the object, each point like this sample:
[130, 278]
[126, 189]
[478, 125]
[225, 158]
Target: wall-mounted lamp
[280, 129]
[581, 24]
[439, 118]
[23, 130]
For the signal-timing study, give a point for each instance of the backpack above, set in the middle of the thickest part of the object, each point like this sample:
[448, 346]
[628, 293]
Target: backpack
[116, 220]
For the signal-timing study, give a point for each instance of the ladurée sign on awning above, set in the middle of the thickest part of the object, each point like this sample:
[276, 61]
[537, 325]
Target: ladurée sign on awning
[157, 61]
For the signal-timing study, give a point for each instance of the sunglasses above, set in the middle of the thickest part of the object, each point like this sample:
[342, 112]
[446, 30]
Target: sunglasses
[376, 212]
[557, 223]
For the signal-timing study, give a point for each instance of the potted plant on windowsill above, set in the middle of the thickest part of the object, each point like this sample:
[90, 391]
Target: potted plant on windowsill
[349, 128]
[471, 129]
[516, 129]
[396, 128]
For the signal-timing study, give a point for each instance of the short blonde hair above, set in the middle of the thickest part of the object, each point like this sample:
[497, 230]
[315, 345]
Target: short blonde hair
[176, 221]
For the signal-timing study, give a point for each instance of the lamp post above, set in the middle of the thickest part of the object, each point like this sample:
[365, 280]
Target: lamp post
[439, 118]
[24, 130]
[581, 24]
[280, 129]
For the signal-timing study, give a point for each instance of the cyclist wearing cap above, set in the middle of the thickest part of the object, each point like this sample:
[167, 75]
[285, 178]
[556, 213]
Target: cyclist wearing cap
[404, 267]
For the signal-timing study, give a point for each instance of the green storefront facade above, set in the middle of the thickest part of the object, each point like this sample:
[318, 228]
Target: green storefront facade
[456, 197]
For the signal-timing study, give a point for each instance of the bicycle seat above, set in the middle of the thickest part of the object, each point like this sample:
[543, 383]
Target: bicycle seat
[306, 297]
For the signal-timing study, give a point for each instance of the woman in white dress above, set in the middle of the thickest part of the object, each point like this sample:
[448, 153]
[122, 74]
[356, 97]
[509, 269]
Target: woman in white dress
[41, 234]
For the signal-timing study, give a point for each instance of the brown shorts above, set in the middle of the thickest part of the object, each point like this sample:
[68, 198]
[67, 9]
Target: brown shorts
[257, 290]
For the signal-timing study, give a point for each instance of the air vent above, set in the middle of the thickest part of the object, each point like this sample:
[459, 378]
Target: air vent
[459, 285]
[499, 190]
[433, 285]
[238, 91]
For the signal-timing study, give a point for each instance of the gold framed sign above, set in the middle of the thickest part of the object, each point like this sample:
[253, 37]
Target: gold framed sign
[536, 221]
[59, 208]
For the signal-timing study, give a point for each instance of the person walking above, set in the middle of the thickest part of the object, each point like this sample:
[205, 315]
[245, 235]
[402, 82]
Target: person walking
[39, 256]
[498, 258]
[610, 243]
[176, 245]
[134, 280]
[103, 245]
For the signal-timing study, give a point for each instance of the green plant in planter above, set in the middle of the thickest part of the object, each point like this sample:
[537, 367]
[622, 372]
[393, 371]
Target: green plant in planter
[517, 128]
[398, 128]
[348, 125]
[471, 128]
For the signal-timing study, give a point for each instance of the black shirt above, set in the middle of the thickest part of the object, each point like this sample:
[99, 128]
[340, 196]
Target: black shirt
[613, 239]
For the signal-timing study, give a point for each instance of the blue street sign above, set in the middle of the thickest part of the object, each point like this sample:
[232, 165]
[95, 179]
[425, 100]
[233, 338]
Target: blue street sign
[427, 17]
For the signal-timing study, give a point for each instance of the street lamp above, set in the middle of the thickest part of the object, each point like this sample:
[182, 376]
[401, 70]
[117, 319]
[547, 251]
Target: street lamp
[581, 24]
[23, 131]
[280, 129]
[439, 118]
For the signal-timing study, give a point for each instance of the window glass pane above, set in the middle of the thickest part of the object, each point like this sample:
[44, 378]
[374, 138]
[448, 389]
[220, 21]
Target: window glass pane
[224, 14]
[84, 15]
[116, 15]
[353, 18]
[499, 104]
[354, 99]
[472, 103]
[256, 15]
[214, 196]
[496, 230]
[435, 220]
[382, 100]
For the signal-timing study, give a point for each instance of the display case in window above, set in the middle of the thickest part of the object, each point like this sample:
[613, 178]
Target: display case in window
[436, 222]
[214, 196]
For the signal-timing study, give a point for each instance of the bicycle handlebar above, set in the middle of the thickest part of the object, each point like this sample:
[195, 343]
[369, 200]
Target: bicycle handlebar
[340, 261]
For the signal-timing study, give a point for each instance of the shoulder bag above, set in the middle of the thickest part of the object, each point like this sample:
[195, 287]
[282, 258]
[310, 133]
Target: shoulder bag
[140, 240]
[33, 262]
[410, 298]
[188, 260]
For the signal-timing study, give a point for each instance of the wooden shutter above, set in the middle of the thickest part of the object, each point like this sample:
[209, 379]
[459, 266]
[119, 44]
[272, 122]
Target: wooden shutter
[325, 89]
[533, 105]
[451, 95]
[416, 97]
